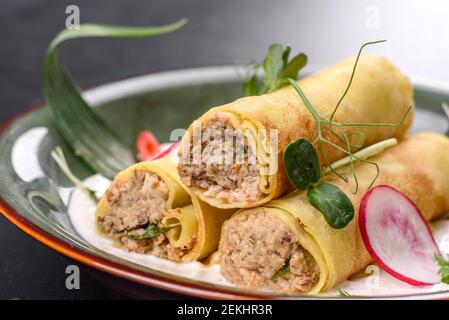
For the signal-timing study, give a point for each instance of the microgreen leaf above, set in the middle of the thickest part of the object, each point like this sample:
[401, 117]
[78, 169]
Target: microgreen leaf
[333, 203]
[152, 230]
[292, 68]
[273, 65]
[277, 68]
[84, 131]
[444, 268]
[285, 55]
[301, 164]
[281, 272]
[251, 87]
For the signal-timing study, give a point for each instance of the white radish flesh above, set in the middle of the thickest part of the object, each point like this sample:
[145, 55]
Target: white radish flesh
[397, 236]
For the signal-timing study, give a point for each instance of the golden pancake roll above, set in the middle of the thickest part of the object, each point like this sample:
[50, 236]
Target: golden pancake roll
[379, 94]
[152, 193]
[319, 256]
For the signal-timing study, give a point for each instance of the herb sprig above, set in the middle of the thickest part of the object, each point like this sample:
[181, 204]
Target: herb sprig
[281, 272]
[444, 268]
[151, 231]
[302, 165]
[277, 69]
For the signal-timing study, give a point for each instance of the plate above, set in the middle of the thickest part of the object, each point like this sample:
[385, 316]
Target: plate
[34, 195]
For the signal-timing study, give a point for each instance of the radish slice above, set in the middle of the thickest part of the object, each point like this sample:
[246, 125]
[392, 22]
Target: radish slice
[166, 151]
[397, 236]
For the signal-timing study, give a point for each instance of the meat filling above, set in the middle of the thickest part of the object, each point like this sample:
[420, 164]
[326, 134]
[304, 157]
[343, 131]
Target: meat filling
[134, 205]
[234, 177]
[255, 247]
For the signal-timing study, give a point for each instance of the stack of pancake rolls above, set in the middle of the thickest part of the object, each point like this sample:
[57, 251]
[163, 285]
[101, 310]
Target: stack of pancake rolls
[227, 189]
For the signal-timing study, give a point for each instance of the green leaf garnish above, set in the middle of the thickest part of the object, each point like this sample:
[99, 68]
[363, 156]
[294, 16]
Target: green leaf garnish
[343, 293]
[303, 169]
[58, 156]
[300, 157]
[84, 131]
[273, 65]
[339, 131]
[444, 268]
[333, 203]
[251, 86]
[277, 68]
[281, 272]
[152, 230]
[292, 68]
[301, 164]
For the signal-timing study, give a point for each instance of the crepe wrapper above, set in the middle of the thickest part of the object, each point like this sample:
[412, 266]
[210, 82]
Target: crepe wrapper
[418, 167]
[379, 94]
[193, 215]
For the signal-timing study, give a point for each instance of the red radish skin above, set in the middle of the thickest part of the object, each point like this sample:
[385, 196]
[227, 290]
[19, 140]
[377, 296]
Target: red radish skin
[147, 146]
[166, 151]
[405, 227]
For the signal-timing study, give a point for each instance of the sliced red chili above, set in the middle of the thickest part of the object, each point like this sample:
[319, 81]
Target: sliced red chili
[147, 146]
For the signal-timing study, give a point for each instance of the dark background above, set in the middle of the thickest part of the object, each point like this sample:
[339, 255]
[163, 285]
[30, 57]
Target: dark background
[218, 32]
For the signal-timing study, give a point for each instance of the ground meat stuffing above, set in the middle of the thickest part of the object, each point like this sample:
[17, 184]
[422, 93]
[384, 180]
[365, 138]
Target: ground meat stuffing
[255, 246]
[229, 177]
[133, 205]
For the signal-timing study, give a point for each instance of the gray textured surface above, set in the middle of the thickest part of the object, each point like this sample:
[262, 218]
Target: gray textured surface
[219, 32]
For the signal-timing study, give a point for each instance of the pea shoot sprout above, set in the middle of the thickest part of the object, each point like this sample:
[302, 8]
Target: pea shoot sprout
[338, 130]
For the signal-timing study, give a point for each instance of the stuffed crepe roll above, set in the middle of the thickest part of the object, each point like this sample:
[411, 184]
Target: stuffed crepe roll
[268, 123]
[146, 209]
[289, 233]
